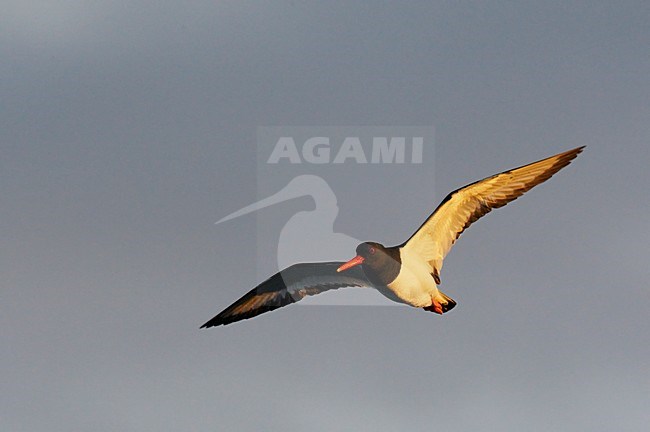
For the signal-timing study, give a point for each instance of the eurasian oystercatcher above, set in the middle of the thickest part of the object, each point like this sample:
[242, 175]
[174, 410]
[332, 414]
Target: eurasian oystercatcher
[410, 272]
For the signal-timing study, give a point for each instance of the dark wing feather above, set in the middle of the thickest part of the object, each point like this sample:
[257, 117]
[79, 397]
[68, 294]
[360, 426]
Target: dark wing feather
[289, 286]
[464, 206]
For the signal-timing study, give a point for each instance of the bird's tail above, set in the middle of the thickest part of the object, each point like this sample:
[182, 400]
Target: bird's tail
[445, 304]
[450, 303]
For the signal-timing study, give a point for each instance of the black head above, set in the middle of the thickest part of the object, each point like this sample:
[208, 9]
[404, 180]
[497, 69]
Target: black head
[373, 254]
[374, 257]
[381, 265]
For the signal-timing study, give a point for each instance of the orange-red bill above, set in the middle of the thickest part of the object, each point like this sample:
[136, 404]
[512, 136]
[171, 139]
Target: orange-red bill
[353, 262]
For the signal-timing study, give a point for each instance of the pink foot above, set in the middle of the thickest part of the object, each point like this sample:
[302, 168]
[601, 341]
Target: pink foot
[435, 307]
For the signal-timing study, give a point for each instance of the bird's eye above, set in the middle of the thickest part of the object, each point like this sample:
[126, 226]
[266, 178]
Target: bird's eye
[372, 251]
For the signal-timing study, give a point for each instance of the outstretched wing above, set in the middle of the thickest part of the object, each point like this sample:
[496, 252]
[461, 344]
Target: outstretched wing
[464, 206]
[289, 286]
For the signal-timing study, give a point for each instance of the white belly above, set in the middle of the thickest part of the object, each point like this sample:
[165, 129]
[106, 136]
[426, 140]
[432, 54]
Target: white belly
[414, 284]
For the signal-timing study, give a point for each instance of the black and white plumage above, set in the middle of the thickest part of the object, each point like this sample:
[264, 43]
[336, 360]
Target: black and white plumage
[408, 273]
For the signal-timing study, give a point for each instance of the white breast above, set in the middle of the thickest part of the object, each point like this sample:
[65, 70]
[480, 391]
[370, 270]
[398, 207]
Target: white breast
[414, 285]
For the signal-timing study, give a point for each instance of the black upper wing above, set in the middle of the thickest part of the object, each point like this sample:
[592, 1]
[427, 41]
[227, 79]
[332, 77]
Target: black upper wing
[289, 286]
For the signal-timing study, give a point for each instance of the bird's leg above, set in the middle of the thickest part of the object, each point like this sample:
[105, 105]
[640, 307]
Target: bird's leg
[435, 307]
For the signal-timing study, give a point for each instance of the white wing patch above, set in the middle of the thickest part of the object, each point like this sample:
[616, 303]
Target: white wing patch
[313, 285]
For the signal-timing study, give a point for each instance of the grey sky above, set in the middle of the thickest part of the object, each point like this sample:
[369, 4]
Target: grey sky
[127, 130]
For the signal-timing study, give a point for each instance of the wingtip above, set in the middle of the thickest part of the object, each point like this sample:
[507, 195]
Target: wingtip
[570, 155]
[215, 322]
[576, 151]
[209, 324]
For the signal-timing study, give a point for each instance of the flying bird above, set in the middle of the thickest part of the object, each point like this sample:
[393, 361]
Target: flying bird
[408, 273]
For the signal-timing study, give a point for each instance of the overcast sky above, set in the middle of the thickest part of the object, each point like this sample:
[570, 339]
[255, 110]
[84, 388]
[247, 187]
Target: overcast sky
[127, 130]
